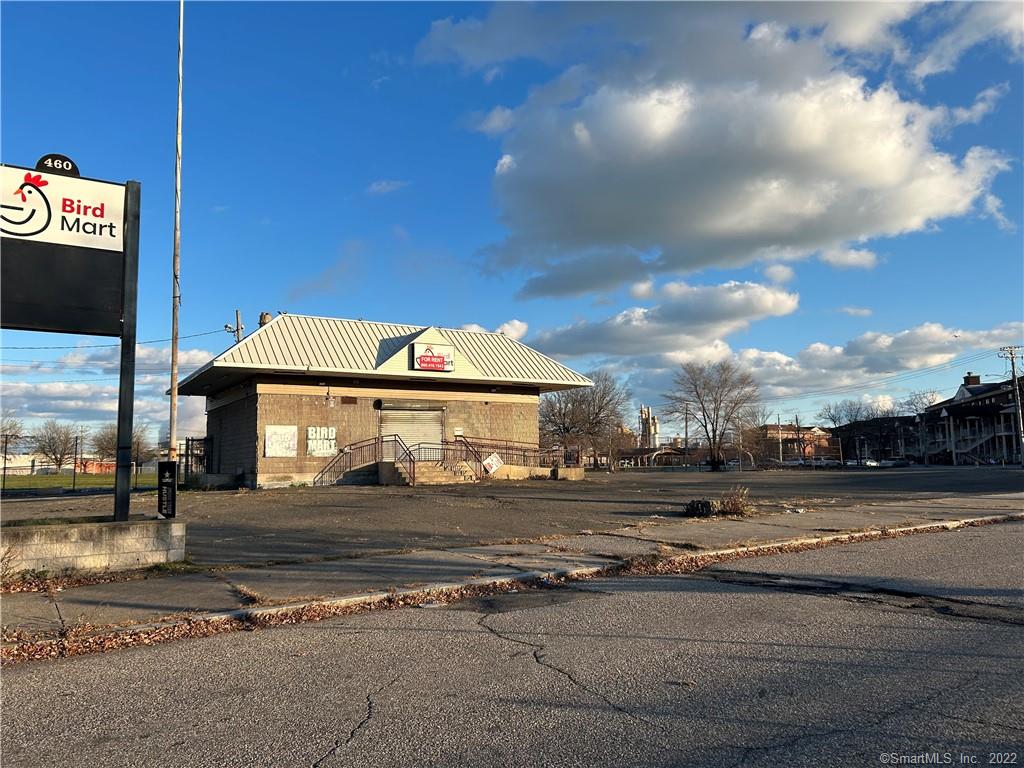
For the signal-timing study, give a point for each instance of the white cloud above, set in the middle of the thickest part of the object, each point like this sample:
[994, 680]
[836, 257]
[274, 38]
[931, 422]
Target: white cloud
[495, 122]
[730, 134]
[984, 103]
[849, 258]
[779, 273]
[856, 311]
[505, 164]
[386, 186]
[514, 329]
[687, 318]
[973, 24]
[642, 290]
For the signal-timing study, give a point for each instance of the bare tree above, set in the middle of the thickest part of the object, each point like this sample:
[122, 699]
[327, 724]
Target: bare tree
[104, 443]
[918, 402]
[716, 394]
[56, 441]
[12, 429]
[834, 413]
[585, 417]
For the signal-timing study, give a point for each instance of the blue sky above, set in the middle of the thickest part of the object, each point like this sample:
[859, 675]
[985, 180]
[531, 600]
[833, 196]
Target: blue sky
[675, 182]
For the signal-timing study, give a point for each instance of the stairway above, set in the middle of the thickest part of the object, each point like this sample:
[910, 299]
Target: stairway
[435, 473]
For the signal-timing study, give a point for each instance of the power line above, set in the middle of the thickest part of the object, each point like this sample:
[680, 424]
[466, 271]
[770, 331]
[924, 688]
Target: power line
[99, 346]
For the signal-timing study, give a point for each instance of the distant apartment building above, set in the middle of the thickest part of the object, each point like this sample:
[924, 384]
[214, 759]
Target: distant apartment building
[977, 425]
[794, 442]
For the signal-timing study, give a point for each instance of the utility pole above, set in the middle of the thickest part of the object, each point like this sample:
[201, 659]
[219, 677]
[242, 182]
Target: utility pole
[1010, 353]
[237, 328]
[172, 432]
[778, 422]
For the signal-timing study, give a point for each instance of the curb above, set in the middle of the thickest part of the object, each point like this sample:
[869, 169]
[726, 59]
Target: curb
[253, 617]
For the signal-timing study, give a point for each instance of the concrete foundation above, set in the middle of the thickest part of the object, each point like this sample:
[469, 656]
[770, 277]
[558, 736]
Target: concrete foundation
[92, 546]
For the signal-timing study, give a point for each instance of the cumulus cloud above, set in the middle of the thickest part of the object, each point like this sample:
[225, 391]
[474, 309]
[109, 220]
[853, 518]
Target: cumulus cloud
[643, 289]
[849, 258]
[585, 274]
[495, 122]
[515, 329]
[687, 318]
[779, 273]
[91, 403]
[730, 134]
[386, 186]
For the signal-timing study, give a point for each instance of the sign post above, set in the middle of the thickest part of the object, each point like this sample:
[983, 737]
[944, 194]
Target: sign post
[167, 488]
[69, 263]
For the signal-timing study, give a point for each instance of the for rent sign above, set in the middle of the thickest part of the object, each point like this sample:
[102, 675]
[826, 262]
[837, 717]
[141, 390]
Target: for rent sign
[433, 357]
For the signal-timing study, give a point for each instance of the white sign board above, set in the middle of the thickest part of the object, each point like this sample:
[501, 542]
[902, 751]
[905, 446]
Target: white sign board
[433, 357]
[321, 441]
[63, 210]
[281, 441]
[492, 463]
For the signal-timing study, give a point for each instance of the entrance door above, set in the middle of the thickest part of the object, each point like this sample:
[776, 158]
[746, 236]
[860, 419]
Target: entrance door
[413, 426]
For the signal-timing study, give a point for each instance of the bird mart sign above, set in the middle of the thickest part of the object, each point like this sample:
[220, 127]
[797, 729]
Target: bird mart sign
[63, 210]
[64, 250]
[433, 357]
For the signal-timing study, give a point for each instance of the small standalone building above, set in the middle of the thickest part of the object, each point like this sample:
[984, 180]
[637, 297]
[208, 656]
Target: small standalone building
[283, 402]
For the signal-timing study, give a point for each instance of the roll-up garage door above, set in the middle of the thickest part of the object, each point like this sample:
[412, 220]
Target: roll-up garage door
[412, 426]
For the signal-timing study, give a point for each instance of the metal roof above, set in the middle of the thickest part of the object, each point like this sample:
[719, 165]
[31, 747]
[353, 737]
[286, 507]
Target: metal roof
[302, 344]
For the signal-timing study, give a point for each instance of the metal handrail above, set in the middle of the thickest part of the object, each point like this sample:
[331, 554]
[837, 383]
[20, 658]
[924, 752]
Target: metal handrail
[350, 456]
[405, 457]
[520, 454]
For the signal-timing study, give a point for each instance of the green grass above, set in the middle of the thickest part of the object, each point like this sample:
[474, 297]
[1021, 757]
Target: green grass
[28, 482]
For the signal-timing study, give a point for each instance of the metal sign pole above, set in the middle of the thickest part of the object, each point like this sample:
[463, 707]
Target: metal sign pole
[126, 392]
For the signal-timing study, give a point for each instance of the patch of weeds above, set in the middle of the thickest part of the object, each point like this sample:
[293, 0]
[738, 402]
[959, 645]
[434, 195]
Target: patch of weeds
[735, 502]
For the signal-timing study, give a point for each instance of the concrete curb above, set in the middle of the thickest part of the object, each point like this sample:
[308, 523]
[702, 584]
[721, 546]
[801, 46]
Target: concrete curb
[369, 599]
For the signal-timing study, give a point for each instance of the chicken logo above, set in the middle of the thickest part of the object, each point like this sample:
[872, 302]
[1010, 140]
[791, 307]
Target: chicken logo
[31, 212]
[429, 360]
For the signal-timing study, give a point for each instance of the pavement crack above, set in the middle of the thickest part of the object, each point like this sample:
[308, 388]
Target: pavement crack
[371, 706]
[540, 658]
[895, 599]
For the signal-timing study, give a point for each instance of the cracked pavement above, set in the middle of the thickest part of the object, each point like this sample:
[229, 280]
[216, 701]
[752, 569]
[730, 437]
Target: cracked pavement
[824, 657]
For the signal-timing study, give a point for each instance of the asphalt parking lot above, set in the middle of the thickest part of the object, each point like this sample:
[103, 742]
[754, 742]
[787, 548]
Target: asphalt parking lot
[300, 523]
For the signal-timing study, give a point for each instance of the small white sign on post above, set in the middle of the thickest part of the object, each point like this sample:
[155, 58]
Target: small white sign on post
[281, 441]
[492, 463]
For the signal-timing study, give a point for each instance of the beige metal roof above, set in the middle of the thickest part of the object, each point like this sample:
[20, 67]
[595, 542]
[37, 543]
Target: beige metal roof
[291, 344]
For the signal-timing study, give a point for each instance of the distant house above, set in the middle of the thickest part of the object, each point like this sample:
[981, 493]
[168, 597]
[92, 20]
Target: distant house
[977, 424]
[797, 441]
[881, 438]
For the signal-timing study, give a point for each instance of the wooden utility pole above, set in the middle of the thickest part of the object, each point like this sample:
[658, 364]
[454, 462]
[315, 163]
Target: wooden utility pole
[1010, 353]
[238, 325]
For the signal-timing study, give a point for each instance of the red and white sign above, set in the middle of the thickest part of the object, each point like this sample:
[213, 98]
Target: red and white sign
[433, 357]
[492, 463]
[63, 210]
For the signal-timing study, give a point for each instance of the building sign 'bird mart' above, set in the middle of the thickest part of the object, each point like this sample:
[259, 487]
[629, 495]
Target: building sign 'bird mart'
[63, 210]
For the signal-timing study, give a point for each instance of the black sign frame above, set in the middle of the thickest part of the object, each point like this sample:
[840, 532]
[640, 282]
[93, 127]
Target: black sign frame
[22, 261]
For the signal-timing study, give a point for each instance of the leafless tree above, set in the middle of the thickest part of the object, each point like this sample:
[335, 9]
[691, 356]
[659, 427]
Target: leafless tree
[587, 417]
[104, 443]
[834, 413]
[716, 394]
[56, 441]
[12, 429]
[918, 402]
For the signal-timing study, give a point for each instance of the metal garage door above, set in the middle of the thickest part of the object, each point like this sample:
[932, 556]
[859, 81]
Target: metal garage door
[413, 426]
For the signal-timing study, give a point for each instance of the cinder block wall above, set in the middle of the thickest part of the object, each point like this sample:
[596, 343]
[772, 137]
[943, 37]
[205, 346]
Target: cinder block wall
[353, 417]
[233, 428]
[493, 419]
[94, 546]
